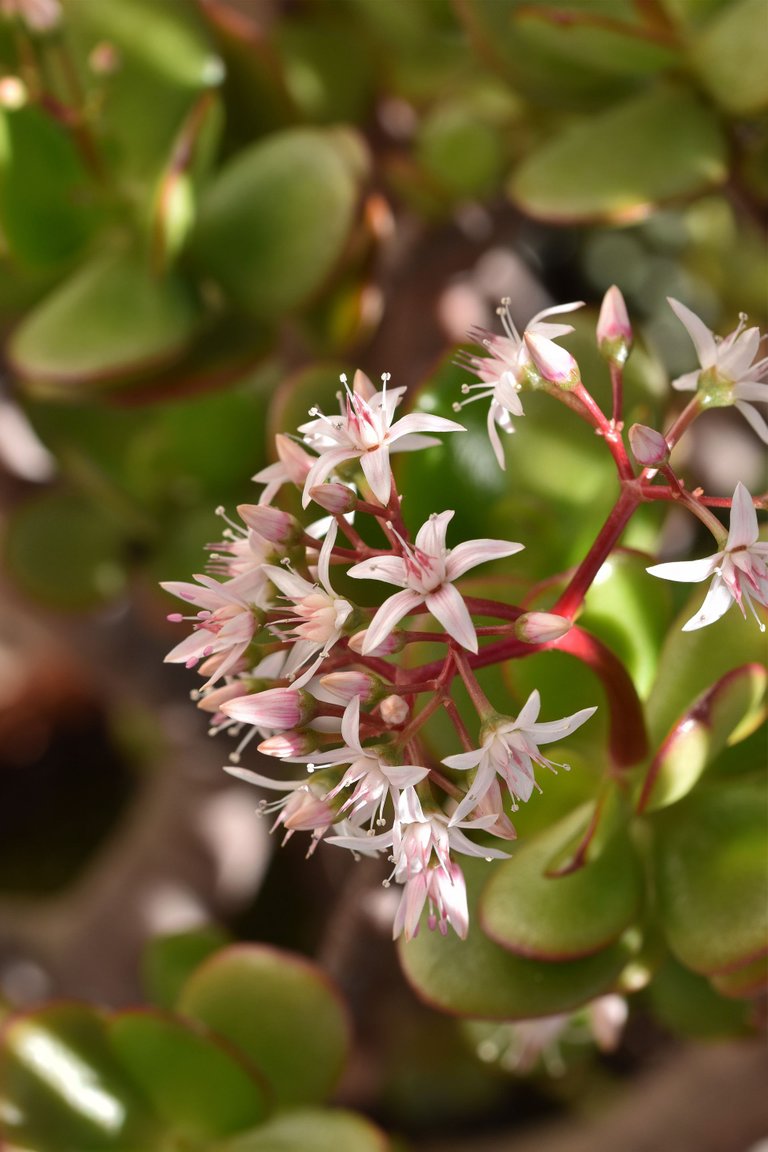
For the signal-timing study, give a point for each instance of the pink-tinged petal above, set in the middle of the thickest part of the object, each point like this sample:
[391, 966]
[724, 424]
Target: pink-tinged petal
[703, 340]
[410, 907]
[484, 778]
[292, 585]
[404, 775]
[753, 417]
[323, 467]
[717, 602]
[391, 613]
[735, 360]
[558, 729]
[193, 594]
[414, 443]
[688, 382]
[262, 781]
[422, 422]
[552, 362]
[350, 724]
[448, 608]
[473, 552]
[687, 571]
[376, 469]
[192, 647]
[494, 437]
[463, 761]
[528, 713]
[462, 843]
[743, 532]
[754, 390]
[324, 559]
[389, 569]
[363, 385]
[519, 778]
[409, 810]
[448, 891]
[430, 538]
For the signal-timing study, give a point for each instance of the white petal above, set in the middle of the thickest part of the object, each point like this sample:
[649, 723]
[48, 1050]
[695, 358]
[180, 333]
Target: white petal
[703, 340]
[263, 781]
[753, 390]
[413, 443]
[558, 729]
[473, 552]
[486, 774]
[753, 417]
[448, 608]
[422, 422]
[389, 569]
[717, 602]
[528, 713]
[735, 360]
[391, 613]
[688, 382]
[687, 571]
[323, 467]
[350, 724]
[404, 775]
[289, 583]
[324, 559]
[376, 469]
[494, 437]
[743, 532]
[463, 761]
[430, 538]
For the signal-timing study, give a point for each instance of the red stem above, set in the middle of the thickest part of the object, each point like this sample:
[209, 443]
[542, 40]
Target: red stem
[607, 539]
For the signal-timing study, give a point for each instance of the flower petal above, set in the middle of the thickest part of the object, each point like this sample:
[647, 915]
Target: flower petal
[470, 553]
[463, 761]
[484, 778]
[743, 532]
[391, 613]
[717, 602]
[350, 724]
[753, 417]
[423, 422]
[687, 571]
[323, 467]
[389, 569]
[447, 606]
[703, 340]
[558, 729]
[376, 469]
[430, 538]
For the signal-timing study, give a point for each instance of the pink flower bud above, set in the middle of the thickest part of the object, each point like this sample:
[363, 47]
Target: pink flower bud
[212, 664]
[392, 643]
[279, 708]
[289, 744]
[334, 498]
[541, 627]
[648, 446]
[394, 710]
[344, 686]
[271, 523]
[305, 812]
[614, 331]
[552, 362]
[213, 700]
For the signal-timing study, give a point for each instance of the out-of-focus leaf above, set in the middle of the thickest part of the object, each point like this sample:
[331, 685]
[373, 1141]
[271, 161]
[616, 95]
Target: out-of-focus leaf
[61, 1087]
[745, 982]
[728, 56]
[711, 879]
[64, 551]
[688, 1004]
[312, 1130]
[108, 324]
[597, 40]
[618, 165]
[558, 918]
[327, 66]
[719, 716]
[169, 960]
[281, 1011]
[275, 221]
[46, 213]
[476, 977]
[461, 151]
[195, 1085]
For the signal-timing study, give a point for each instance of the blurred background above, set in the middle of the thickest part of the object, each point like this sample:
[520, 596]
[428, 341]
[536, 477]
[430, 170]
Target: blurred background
[208, 209]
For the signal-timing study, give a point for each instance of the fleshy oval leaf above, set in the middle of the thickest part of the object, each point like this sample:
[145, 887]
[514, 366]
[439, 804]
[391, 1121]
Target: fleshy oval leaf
[169, 960]
[729, 58]
[618, 165]
[312, 1130]
[280, 1010]
[533, 913]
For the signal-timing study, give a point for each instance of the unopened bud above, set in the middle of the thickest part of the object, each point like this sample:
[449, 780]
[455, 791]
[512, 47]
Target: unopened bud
[334, 498]
[289, 744]
[649, 447]
[614, 331]
[394, 642]
[552, 362]
[271, 523]
[394, 710]
[305, 812]
[541, 627]
[278, 708]
[211, 701]
[211, 665]
[344, 686]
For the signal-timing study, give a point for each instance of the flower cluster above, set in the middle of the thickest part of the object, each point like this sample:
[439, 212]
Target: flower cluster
[290, 658]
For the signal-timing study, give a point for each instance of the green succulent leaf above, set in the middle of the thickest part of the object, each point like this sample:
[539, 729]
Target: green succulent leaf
[199, 1088]
[711, 878]
[276, 220]
[719, 717]
[169, 960]
[729, 58]
[280, 1010]
[312, 1130]
[476, 977]
[61, 1087]
[533, 913]
[619, 164]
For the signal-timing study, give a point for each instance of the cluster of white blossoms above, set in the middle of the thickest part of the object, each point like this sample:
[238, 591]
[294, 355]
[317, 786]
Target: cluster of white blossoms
[289, 658]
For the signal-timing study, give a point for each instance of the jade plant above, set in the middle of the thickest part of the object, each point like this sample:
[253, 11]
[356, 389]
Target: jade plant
[408, 722]
[238, 1052]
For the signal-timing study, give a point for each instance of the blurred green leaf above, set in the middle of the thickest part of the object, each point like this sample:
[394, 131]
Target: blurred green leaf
[476, 977]
[195, 1085]
[327, 1130]
[460, 150]
[275, 221]
[711, 879]
[689, 1005]
[169, 960]
[619, 164]
[62, 1089]
[557, 918]
[108, 323]
[280, 1010]
[728, 56]
[601, 40]
[46, 206]
[64, 551]
[720, 716]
